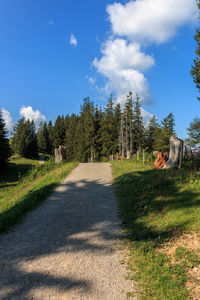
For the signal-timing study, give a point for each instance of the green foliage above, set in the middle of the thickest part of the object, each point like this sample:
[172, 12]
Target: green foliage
[195, 70]
[43, 140]
[156, 206]
[59, 131]
[4, 143]
[24, 139]
[194, 133]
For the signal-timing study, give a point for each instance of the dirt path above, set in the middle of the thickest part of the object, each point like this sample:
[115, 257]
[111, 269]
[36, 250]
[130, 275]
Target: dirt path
[66, 249]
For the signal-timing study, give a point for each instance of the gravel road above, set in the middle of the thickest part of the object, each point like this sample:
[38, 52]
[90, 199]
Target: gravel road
[68, 247]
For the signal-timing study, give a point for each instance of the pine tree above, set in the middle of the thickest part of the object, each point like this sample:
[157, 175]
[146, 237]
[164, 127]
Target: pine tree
[70, 143]
[128, 123]
[108, 130]
[195, 70]
[59, 131]
[194, 133]
[85, 132]
[117, 123]
[4, 144]
[50, 135]
[164, 133]
[43, 138]
[152, 134]
[138, 126]
[98, 121]
[24, 139]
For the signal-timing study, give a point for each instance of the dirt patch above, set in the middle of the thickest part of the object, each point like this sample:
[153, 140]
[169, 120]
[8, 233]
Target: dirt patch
[189, 242]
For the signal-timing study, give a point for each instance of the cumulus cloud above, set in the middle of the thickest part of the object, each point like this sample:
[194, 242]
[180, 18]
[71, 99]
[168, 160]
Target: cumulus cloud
[135, 25]
[8, 119]
[121, 64]
[151, 20]
[73, 40]
[28, 113]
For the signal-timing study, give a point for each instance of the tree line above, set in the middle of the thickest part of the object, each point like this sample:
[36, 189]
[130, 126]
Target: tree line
[94, 133]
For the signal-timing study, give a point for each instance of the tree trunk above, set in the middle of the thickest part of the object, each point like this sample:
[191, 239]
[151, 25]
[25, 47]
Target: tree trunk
[175, 153]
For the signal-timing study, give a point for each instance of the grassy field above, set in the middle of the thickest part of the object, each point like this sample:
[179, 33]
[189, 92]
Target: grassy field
[160, 210]
[25, 184]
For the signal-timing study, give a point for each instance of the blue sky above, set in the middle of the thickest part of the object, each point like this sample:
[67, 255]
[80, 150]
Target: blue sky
[43, 75]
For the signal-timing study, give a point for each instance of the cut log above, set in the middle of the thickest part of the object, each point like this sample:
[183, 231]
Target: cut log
[160, 161]
[175, 153]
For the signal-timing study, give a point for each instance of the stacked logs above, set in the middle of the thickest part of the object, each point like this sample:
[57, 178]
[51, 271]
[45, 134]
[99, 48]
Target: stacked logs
[160, 161]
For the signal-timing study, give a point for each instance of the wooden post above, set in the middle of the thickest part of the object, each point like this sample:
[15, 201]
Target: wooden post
[143, 156]
[138, 154]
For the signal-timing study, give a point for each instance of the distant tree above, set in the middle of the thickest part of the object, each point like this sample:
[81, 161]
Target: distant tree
[85, 129]
[59, 132]
[50, 135]
[152, 133]
[195, 70]
[117, 122]
[108, 129]
[138, 125]
[194, 133]
[4, 143]
[97, 140]
[24, 139]
[70, 143]
[164, 133]
[43, 138]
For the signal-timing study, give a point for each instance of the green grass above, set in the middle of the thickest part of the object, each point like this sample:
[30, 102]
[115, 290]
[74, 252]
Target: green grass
[156, 206]
[25, 184]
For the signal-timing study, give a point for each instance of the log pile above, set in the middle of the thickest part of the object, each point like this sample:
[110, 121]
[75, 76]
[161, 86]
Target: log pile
[160, 161]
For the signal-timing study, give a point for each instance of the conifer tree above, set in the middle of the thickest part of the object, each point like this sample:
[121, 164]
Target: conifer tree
[194, 133]
[138, 126]
[50, 135]
[59, 131]
[4, 144]
[43, 138]
[85, 132]
[195, 70]
[70, 143]
[152, 134]
[25, 140]
[164, 133]
[108, 130]
[117, 122]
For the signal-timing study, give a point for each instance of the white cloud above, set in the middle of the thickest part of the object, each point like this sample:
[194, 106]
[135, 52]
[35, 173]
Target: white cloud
[28, 113]
[146, 116]
[139, 23]
[73, 40]
[151, 20]
[121, 64]
[8, 119]
[51, 22]
[91, 80]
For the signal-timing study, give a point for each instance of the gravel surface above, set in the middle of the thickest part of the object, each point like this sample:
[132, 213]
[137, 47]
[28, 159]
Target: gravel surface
[68, 247]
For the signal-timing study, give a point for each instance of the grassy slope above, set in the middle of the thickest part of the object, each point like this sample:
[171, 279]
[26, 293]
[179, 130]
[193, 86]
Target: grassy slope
[157, 206]
[25, 184]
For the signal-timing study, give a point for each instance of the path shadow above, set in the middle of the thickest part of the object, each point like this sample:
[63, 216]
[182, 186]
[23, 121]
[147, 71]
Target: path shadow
[63, 223]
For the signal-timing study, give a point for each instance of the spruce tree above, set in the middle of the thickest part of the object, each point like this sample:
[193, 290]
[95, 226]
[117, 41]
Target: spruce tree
[194, 133]
[4, 144]
[43, 138]
[59, 132]
[195, 70]
[50, 135]
[166, 131]
[24, 139]
[70, 143]
[152, 134]
[138, 126]
[108, 130]
[117, 122]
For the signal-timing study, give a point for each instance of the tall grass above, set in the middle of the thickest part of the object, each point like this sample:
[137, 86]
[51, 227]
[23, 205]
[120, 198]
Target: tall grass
[156, 206]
